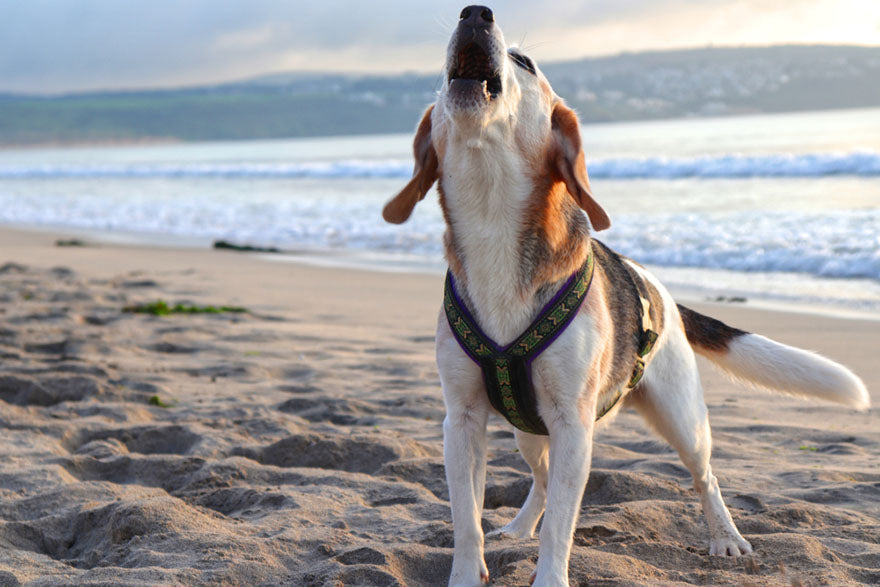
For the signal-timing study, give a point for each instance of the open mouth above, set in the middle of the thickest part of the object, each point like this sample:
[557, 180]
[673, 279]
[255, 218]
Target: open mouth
[474, 65]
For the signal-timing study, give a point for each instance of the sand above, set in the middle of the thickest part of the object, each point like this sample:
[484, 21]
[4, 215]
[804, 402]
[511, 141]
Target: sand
[300, 443]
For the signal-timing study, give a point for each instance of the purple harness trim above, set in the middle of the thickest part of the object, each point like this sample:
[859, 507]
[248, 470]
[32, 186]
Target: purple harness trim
[537, 350]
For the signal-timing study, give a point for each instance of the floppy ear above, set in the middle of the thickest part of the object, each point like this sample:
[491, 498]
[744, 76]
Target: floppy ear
[399, 207]
[567, 157]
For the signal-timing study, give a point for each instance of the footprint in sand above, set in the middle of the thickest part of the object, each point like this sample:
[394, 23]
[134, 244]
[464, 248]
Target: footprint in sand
[48, 391]
[148, 440]
[364, 453]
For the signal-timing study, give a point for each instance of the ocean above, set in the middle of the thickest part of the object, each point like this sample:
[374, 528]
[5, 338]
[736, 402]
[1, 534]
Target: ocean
[779, 209]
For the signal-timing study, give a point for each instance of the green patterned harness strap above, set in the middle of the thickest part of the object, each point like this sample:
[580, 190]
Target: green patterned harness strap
[507, 370]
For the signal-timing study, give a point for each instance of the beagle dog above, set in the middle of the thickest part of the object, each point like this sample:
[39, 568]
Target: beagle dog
[505, 153]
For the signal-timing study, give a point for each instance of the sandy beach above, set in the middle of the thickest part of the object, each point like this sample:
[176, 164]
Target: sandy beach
[300, 442]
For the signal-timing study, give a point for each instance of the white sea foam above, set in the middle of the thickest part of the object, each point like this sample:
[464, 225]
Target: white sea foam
[317, 170]
[839, 243]
[862, 164]
[827, 243]
[859, 164]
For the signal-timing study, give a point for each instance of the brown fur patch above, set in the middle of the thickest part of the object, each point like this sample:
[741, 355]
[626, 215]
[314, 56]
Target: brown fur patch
[601, 375]
[705, 333]
[623, 305]
[555, 237]
[426, 172]
[567, 157]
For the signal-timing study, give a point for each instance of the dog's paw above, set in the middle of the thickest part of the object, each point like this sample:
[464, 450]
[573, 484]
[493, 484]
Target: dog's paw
[549, 579]
[729, 546]
[511, 531]
[463, 578]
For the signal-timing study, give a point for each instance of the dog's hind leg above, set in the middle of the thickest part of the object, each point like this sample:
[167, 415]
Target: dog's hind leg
[671, 400]
[533, 449]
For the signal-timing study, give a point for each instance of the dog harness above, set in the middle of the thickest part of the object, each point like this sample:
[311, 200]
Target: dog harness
[507, 370]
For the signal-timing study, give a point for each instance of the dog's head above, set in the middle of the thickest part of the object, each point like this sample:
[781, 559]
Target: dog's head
[495, 95]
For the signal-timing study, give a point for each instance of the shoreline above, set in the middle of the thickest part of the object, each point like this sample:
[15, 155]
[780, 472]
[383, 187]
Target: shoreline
[389, 262]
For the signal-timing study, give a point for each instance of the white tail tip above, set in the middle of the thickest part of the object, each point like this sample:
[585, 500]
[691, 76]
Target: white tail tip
[779, 367]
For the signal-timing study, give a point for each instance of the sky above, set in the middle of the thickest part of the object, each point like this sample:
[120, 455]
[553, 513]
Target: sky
[61, 46]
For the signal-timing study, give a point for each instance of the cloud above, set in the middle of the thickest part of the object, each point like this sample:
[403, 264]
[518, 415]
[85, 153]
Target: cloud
[63, 45]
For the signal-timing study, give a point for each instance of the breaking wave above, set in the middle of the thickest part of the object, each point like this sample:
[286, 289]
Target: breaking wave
[859, 164]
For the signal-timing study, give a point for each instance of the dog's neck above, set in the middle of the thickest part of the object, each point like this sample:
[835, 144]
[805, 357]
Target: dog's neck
[499, 252]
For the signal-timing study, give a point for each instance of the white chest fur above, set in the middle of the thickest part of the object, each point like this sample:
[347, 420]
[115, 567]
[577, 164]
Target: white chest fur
[486, 189]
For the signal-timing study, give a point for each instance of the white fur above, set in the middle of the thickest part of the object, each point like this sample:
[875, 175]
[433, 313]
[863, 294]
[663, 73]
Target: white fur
[771, 365]
[487, 228]
[486, 182]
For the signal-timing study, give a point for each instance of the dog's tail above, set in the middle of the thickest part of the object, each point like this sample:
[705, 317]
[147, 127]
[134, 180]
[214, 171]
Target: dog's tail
[771, 365]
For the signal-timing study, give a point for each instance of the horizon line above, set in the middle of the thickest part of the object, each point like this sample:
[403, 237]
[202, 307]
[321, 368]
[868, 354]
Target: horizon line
[316, 73]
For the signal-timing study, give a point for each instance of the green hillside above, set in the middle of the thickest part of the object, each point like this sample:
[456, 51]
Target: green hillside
[697, 82]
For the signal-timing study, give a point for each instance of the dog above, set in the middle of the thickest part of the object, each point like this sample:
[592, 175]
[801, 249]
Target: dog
[505, 153]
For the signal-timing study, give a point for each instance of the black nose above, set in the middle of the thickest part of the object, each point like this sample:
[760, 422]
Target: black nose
[476, 16]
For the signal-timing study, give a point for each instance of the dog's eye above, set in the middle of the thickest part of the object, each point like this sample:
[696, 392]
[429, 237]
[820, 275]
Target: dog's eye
[523, 61]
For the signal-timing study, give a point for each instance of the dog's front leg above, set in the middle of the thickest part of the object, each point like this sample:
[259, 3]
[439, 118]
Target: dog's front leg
[571, 445]
[464, 451]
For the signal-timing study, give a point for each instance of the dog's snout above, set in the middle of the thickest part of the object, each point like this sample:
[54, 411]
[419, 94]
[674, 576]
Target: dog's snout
[475, 60]
[476, 16]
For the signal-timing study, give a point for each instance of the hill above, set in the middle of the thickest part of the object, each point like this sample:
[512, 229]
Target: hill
[696, 82]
